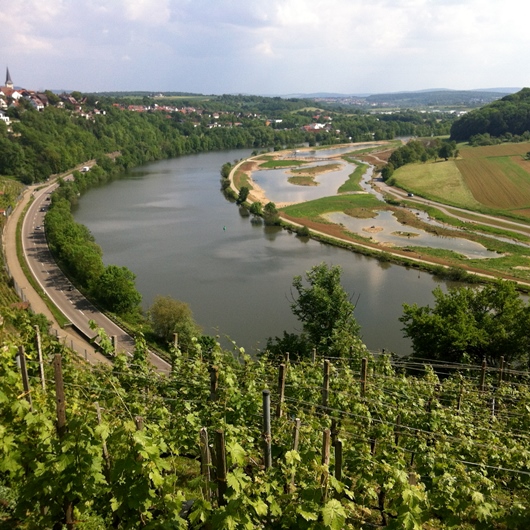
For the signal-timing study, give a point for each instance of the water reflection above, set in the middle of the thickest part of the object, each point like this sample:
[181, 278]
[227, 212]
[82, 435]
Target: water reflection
[385, 228]
[278, 189]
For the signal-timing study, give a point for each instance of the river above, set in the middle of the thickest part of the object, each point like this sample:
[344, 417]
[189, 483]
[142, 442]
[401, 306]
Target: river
[169, 223]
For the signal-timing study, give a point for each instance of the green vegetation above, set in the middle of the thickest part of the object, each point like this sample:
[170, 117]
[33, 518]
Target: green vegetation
[274, 164]
[352, 184]
[441, 450]
[313, 210]
[326, 314]
[450, 187]
[169, 316]
[467, 325]
[49, 142]
[505, 120]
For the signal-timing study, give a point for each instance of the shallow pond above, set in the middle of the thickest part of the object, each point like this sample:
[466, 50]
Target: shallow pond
[278, 189]
[385, 228]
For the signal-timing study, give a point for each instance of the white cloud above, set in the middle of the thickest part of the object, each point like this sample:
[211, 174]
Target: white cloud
[282, 45]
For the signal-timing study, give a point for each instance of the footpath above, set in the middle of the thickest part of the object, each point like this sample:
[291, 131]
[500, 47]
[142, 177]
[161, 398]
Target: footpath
[28, 294]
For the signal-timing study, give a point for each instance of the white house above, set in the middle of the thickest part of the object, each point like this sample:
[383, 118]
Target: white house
[4, 117]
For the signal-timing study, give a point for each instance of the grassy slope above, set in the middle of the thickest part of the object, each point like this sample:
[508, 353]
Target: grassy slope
[440, 181]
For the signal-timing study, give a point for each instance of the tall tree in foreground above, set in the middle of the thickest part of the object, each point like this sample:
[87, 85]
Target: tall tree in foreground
[326, 311]
[471, 324]
[169, 316]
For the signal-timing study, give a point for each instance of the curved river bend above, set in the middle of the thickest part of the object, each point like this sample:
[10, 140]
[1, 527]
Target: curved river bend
[169, 223]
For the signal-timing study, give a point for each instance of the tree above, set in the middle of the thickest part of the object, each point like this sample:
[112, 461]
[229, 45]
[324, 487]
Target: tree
[169, 316]
[116, 290]
[271, 215]
[256, 208]
[325, 310]
[470, 324]
[225, 170]
[243, 194]
[447, 150]
[298, 347]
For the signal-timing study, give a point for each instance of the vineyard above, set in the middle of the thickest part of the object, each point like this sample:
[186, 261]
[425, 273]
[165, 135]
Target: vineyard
[230, 442]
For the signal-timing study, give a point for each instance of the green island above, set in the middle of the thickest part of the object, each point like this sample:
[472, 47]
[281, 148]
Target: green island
[317, 432]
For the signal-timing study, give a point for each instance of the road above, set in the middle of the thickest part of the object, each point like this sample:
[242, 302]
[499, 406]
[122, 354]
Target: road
[486, 220]
[72, 304]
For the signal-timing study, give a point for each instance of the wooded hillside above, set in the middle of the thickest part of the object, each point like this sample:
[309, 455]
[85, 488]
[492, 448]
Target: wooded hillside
[508, 117]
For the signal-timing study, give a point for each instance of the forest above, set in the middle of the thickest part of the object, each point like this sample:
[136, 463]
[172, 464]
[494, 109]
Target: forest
[507, 119]
[39, 144]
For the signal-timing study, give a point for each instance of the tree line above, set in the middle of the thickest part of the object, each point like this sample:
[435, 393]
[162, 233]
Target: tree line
[54, 140]
[419, 151]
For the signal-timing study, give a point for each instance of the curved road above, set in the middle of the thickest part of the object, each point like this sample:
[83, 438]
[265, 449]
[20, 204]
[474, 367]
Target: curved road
[74, 306]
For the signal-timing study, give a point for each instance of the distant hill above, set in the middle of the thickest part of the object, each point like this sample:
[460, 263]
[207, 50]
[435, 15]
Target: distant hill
[509, 116]
[438, 97]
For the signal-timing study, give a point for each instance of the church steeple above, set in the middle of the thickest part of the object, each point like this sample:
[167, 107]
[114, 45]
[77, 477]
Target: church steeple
[9, 83]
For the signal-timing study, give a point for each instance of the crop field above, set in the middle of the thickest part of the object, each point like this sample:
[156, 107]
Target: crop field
[441, 181]
[495, 176]
[497, 182]
[495, 150]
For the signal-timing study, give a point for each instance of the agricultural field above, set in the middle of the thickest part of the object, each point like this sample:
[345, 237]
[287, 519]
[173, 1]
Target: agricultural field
[491, 177]
[440, 181]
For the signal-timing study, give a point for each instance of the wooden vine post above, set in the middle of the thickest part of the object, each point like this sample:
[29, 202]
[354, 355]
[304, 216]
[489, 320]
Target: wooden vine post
[41, 362]
[220, 466]
[396, 429]
[326, 442]
[482, 384]
[364, 371]
[325, 384]
[214, 382]
[338, 459]
[60, 402]
[104, 443]
[206, 461]
[267, 440]
[296, 434]
[501, 370]
[281, 390]
[25, 378]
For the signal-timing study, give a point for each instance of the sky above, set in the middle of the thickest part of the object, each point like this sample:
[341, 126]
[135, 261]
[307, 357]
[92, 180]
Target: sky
[265, 47]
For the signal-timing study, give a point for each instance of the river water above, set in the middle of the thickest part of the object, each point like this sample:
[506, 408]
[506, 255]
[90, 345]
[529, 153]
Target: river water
[169, 223]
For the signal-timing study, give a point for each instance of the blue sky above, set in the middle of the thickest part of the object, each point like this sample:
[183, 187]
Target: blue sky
[270, 47]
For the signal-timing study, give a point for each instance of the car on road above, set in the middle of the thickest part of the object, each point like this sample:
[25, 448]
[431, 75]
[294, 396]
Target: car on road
[410, 194]
[38, 228]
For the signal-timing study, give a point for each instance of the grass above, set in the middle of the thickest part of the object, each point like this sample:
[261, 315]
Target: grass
[302, 181]
[313, 210]
[315, 170]
[439, 181]
[274, 164]
[242, 179]
[353, 182]
[498, 182]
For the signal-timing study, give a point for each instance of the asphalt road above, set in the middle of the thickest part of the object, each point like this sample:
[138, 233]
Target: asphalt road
[74, 306]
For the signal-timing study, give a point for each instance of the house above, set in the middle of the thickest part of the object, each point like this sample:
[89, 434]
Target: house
[4, 117]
